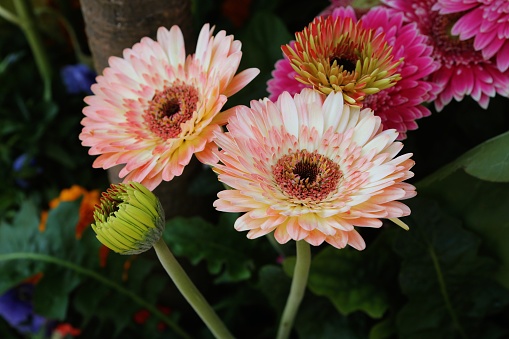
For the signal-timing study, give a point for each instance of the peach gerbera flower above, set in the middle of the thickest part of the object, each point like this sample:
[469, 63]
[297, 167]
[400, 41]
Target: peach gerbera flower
[154, 108]
[337, 54]
[311, 168]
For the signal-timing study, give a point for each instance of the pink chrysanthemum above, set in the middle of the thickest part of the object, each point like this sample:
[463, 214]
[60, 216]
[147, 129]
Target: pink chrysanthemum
[463, 71]
[337, 54]
[401, 105]
[154, 108]
[487, 21]
[311, 168]
[398, 106]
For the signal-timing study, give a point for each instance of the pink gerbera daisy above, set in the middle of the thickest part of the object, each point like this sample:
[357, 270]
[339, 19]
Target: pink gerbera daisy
[400, 105]
[154, 108]
[337, 54]
[487, 21]
[310, 167]
[463, 71]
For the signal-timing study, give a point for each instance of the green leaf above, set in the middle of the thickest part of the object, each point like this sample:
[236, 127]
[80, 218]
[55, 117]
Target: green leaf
[347, 278]
[446, 281]
[318, 319]
[488, 161]
[59, 234]
[20, 236]
[51, 296]
[226, 251]
[482, 206]
[275, 284]
[385, 329]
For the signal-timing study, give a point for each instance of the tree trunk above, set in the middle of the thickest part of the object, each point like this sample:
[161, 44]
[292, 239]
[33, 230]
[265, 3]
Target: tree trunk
[113, 25]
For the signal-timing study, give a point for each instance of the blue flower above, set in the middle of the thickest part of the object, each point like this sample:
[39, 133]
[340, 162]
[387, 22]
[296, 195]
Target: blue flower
[17, 309]
[78, 78]
[24, 167]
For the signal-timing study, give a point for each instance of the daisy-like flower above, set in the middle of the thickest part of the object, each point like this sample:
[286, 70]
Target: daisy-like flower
[154, 108]
[337, 54]
[463, 70]
[311, 168]
[487, 21]
[400, 105]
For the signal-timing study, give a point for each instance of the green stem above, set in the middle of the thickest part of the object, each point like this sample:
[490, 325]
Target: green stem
[189, 291]
[101, 279]
[445, 295]
[297, 290]
[28, 25]
[7, 15]
[80, 56]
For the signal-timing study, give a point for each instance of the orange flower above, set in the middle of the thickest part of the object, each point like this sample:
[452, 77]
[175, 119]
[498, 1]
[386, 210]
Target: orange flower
[90, 199]
[42, 221]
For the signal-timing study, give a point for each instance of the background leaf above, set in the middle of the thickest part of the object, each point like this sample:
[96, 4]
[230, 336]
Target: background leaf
[226, 251]
[352, 280]
[447, 282]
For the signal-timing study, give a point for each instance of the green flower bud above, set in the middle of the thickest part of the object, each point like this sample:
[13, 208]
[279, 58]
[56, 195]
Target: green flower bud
[129, 218]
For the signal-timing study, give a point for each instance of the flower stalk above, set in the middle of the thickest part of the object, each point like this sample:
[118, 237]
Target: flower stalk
[27, 22]
[189, 291]
[297, 289]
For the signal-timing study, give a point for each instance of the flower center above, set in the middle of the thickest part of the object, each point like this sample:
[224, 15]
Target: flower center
[452, 49]
[306, 176]
[347, 63]
[171, 107]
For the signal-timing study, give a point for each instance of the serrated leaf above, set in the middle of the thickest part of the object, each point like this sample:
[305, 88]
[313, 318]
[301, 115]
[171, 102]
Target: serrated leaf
[446, 281]
[347, 278]
[225, 250]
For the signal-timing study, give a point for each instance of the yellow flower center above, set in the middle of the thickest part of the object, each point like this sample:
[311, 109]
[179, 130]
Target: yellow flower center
[171, 107]
[306, 176]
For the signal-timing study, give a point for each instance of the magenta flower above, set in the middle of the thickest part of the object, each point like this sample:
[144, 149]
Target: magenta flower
[487, 21]
[400, 105]
[463, 70]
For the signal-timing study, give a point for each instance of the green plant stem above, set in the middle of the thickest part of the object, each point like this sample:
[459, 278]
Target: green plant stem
[7, 15]
[80, 56]
[297, 290]
[189, 291]
[28, 25]
[105, 281]
[445, 295]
